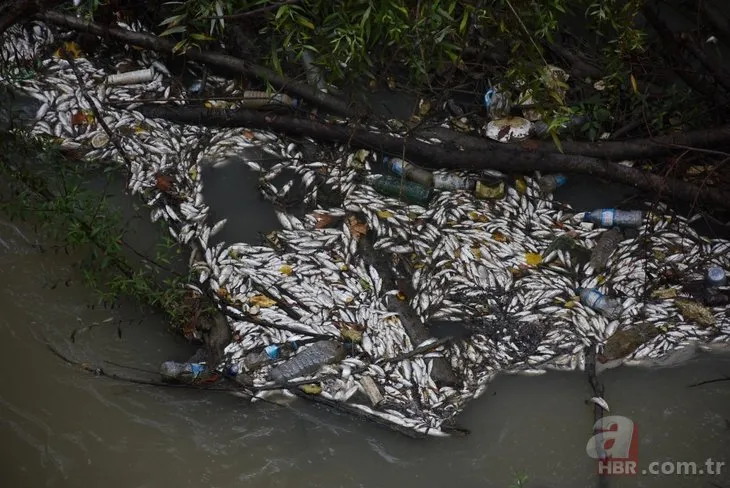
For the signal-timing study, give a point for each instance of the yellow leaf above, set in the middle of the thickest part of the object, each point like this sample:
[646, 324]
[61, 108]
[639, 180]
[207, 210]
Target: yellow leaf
[634, 85]
[569, 304]
[352, 335]
[261, 301]
[139, 128]
[533, 259]
[384, 214]
[476, 252]
[312, 389]
[344, 267]
[71, 48]
[400, 296]
[286, 269]
[520, 185]
[601, 279]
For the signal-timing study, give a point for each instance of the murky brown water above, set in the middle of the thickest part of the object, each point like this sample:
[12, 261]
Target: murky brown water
[63, 427]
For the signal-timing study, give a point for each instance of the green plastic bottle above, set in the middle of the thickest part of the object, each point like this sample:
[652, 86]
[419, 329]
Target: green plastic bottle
[408, 191]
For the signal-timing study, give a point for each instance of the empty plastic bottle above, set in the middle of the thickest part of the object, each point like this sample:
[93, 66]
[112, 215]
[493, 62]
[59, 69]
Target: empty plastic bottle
[452, 182]
[270, 353]
[409, 171]
[182, 372]
[408, 191]
[608, 307]
[605, 247]
[308, 361]
[549, 183]
[609, 217]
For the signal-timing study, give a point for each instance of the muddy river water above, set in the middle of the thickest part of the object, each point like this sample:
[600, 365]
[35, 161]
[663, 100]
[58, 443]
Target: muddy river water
[61, 426]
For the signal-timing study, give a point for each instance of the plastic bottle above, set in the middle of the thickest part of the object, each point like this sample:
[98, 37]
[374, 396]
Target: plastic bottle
[608, 307]
[182, 372]
[452, 182]
[711, 295]
[549, 183]
[715, 277]
[604, 247]
[270, 353]
[409, 171]
[308, 361]
[408, 191]
[609, 217]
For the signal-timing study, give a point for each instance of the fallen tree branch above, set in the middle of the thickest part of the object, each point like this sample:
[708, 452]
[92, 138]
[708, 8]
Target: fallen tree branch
[632, 149]
[155, 43]
[499, 157]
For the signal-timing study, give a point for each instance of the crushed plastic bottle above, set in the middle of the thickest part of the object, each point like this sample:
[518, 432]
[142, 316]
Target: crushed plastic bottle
[172, 371]
[604, 248]
[592, 298]
[549, 183]
[452, 182]
[308, 361]
[609, 217]
[409, 171]
[408, 191]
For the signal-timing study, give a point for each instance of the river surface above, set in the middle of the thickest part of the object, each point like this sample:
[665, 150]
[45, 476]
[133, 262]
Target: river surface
[61, 426]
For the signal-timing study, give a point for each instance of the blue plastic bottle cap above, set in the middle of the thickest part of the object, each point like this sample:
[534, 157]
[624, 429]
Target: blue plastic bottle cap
[716, 275]
[196, 369]
[272, 351]
[560, 180]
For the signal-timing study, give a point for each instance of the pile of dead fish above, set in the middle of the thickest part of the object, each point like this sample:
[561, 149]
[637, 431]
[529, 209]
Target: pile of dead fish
[494, 264]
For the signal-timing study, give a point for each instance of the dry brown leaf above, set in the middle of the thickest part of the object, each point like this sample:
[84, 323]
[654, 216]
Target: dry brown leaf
[261, 301]
[324, 220]
[357, 228]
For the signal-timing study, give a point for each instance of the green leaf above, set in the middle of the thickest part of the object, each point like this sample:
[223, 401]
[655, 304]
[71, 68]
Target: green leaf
[464, 21]
[174, 19]
[305, 22]
[174, 30]
[556, 140]
[202, 37]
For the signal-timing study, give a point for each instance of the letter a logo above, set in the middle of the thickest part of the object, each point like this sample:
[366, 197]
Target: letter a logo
[615, 439]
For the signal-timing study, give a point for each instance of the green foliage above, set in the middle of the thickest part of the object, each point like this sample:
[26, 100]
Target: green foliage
[520, 481]
[43, 187]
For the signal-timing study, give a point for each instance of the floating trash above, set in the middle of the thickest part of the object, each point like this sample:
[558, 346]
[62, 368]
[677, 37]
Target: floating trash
[510, 129]
[504, 260]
